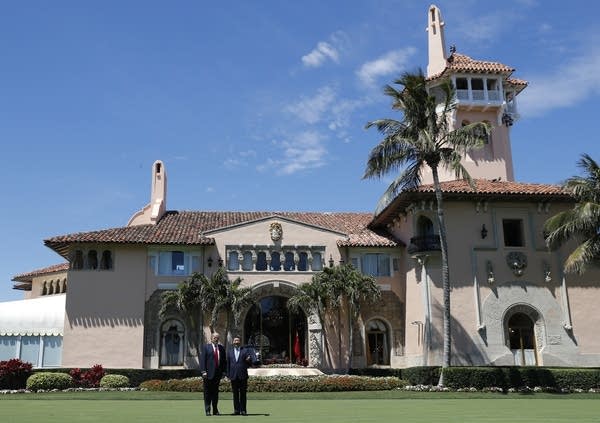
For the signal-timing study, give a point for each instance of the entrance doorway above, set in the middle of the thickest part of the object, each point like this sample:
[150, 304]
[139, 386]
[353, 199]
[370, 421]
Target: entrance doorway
[275, 332]
[521, 337]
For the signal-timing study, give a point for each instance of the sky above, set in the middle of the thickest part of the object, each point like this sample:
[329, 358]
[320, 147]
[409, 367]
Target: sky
[251, 105]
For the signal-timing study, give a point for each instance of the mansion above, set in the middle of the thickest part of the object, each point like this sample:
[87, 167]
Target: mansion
[512, 304]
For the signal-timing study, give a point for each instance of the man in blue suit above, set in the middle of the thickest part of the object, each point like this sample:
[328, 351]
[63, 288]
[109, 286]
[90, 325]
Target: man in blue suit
[212, 367]
[238, 360]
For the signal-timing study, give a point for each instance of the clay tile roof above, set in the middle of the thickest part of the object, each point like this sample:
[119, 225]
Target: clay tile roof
[484, 190]
[28, 276]
[191, 228]
[462, 63]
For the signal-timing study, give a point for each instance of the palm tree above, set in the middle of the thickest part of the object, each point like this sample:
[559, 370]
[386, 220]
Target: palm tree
[312, 297]
[190, 299]
[228, 296]
[424, 138]
[355, 288]
[582, 222]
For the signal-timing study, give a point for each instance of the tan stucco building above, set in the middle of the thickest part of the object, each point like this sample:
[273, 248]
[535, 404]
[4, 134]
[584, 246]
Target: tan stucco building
[511, 301]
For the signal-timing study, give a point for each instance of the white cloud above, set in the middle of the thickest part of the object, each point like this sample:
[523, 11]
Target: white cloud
[300, 152]
[326, 50]
[320, 54]
[390, 63]
[564, 87]
[312, 109]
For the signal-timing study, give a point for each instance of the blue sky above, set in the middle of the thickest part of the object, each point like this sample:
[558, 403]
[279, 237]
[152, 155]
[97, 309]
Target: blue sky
[252, 105]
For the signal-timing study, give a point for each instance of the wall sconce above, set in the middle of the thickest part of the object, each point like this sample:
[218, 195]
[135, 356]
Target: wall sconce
[209, 261]
[484, 231]
[330, 260]
[547, 273]
[507, 119]
[220, 262]
[490, 272]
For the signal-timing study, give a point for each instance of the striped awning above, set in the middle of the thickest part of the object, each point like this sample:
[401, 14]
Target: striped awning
[37, 316]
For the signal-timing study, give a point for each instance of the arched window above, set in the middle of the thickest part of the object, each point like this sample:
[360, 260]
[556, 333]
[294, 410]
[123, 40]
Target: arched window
[77, 263]
[303, 262]
[64, 286]
[45, 288]
[247, 263]
[289, 264]
[232, 261]
[275, 261]
[261, 261]
[106, 261]
[172, 334]
[50, 287]
[378, 343]
[424, 226]
[92, 260]
[317, 262]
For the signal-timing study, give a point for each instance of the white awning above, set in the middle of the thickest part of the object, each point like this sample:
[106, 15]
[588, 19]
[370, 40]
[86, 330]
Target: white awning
[37, 316]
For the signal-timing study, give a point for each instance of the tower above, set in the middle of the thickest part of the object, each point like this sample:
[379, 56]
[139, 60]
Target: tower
[485, 92]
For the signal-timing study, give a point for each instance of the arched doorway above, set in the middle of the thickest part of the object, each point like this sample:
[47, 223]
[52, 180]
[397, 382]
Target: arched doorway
[378, 343]
[521, 339]
[172, 335]
[275, 332]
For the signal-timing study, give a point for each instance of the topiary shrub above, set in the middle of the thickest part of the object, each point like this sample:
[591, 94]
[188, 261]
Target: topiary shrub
[48, 381]
[14, 373]
[114, 381]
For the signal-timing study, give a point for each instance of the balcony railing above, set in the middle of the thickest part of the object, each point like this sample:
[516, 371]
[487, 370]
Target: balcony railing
[419, 244]
[478, 95]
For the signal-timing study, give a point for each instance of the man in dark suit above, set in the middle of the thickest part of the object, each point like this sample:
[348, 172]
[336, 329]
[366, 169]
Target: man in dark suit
[238, 360]
[212, 367]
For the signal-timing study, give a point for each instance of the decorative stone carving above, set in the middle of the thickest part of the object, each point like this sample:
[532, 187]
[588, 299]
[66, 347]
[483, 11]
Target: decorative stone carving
[517, 262]
[547, 272]
[276, 231]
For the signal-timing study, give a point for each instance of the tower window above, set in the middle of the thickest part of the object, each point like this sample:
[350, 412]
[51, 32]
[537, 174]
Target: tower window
[513, 232]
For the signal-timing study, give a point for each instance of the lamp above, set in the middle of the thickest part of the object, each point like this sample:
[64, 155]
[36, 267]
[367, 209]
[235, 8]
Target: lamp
[220, 262]
[484, 231]
[209, 261]
[330, 260]
[507, 119]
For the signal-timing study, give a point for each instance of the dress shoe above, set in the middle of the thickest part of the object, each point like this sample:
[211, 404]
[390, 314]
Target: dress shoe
[208, 413]
[243, 413]
[216, 413]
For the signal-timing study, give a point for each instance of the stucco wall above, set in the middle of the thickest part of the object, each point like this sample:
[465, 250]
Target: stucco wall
[105, 313]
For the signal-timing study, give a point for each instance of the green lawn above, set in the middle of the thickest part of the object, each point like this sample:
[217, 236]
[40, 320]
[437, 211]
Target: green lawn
[394, 406]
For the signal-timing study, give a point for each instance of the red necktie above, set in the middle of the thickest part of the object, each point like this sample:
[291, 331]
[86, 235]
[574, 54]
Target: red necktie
[216, 356]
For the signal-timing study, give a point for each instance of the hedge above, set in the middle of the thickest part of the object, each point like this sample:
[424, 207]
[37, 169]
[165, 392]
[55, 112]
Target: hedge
[334, 383]
[48, 381]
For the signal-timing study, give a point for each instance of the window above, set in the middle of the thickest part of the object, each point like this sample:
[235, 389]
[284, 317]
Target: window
[513, 232]
[317, 262]
[174, 262]
[106, 261]
[261, 261]
[275, 261]
[40, 351]
[92, 260]
[289, 264]
[303, 262]
[233, 262]
[375, 264]
[77, 263]
[247, 263]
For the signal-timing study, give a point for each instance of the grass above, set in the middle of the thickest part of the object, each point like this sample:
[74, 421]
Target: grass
[386, 406]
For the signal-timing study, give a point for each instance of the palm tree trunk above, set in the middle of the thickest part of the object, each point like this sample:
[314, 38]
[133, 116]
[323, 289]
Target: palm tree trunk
[446, 357]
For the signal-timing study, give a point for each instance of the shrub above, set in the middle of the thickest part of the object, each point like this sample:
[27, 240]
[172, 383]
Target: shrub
[48, 381]
[88, 378]
[333, 383]
[422, 375]
[14, 373]
[114, 381]
[474, 377]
